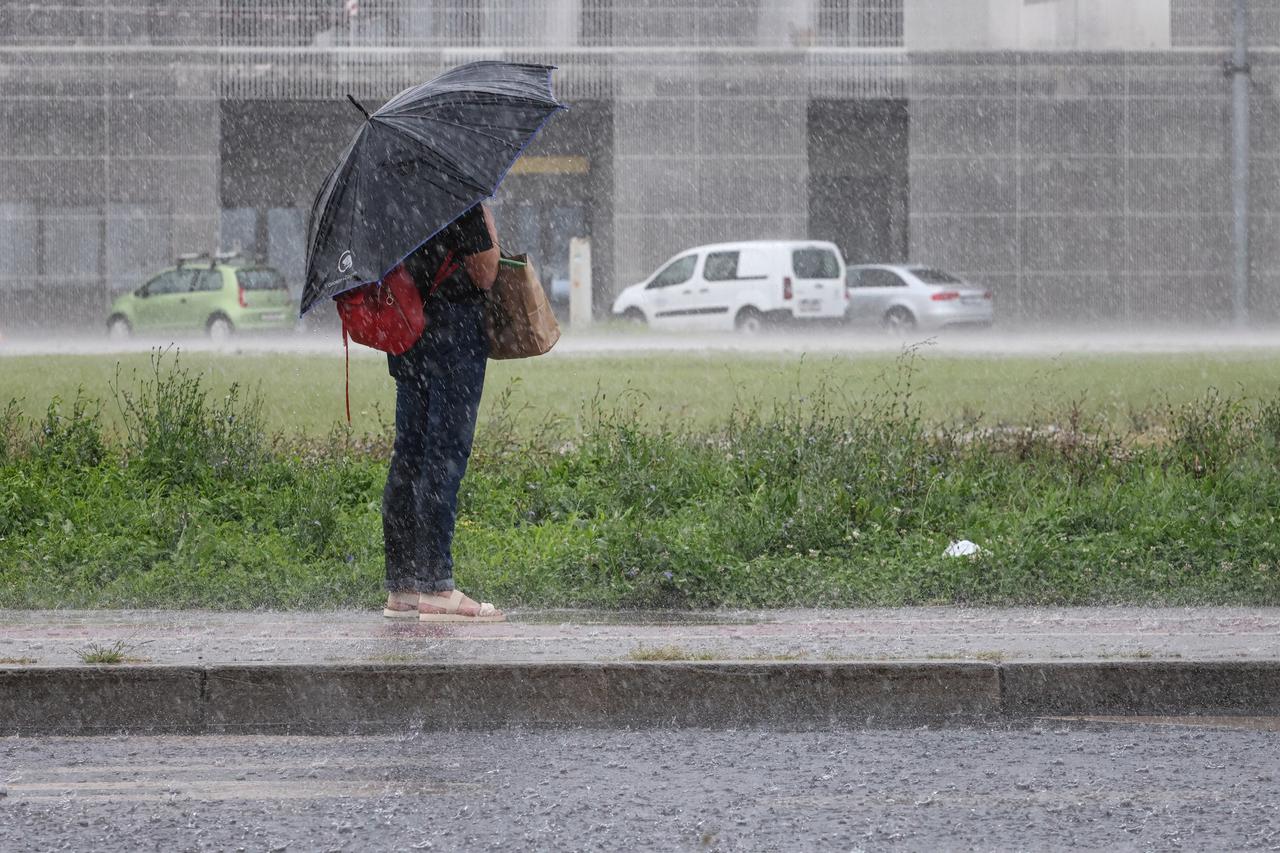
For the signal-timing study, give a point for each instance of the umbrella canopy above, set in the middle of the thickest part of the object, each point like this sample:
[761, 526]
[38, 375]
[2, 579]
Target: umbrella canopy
[426, 157]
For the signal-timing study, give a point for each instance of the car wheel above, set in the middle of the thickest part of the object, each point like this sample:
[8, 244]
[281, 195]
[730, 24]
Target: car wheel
[749, 321]
[899, 321]
[118, 329]
[634, 316]
[219, 329]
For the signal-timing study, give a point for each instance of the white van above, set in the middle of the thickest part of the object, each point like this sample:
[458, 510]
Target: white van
[740, 286]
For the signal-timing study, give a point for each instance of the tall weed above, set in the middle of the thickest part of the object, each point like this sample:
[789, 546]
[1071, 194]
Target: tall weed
[1208, 433]
[176, 434]
[13, 428]
[72, 439]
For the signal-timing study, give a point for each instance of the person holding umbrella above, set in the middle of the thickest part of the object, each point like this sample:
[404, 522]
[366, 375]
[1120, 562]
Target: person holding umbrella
[409, 190]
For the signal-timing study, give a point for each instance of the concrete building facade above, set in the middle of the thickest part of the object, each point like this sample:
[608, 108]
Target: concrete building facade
[1072, 154]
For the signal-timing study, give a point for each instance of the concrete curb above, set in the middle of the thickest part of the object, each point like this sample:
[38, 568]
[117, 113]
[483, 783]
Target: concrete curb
[1226, 688]
[340, 699]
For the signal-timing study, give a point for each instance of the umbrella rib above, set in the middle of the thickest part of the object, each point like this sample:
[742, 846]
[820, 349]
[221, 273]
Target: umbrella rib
[321, 202]
[475, 130]
[355, 193]
[335, 190]
[441, 100]
[426, 142]
[454, 168]
[465, 127]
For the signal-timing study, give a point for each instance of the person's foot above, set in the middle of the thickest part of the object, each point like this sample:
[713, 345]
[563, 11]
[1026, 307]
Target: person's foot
[401, 605]
[453, 606]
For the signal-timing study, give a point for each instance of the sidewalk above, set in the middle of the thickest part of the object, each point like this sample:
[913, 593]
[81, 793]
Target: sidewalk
[345, 671]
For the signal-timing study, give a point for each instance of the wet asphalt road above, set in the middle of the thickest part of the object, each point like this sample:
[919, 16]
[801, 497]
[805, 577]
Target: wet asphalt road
[1059, 785]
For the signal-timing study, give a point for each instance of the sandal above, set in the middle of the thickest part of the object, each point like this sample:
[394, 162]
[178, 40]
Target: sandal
[445, 609]
[401, 605]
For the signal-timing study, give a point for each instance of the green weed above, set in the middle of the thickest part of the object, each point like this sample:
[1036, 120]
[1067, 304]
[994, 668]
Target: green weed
[815, 497]
[120, 651]
[175, 433]
[668, 653]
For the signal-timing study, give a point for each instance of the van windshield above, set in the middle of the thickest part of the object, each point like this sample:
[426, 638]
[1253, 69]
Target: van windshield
[677, 272]
[815, 263]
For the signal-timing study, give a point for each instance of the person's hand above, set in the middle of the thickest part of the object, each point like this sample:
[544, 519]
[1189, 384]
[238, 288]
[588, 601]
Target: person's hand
[483, 266]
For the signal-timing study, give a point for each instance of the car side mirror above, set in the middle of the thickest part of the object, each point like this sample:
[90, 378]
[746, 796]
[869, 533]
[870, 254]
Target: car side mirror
[142, 292]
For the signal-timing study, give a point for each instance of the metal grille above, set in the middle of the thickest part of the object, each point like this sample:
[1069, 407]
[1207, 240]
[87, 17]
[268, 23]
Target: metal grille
[859, 23]
[596, 23]
[376, 74]
[1207, 23]
[1084, 188]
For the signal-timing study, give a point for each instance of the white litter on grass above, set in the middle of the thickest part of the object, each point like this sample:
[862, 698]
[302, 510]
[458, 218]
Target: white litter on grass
[962, 548]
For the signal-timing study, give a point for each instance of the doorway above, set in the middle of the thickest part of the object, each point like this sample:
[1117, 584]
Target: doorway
[543, 232]
[858, 178]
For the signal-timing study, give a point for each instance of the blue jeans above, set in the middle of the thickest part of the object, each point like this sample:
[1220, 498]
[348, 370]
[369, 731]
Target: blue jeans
[438, 385]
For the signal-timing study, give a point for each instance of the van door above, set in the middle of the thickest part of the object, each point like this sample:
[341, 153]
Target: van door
[691, 301]
[817, 283]
[717, 291]
[664, 303]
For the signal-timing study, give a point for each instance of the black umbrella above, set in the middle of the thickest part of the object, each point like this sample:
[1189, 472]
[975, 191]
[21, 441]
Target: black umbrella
[430, 154]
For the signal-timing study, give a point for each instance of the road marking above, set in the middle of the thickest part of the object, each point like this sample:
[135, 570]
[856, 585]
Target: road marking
[1251, 724]
[1085, 793]
[351, 766]
[231, 789]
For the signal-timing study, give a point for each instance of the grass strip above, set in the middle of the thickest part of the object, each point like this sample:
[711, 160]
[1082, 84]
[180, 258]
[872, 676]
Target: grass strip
[303, 393]
[824, 502]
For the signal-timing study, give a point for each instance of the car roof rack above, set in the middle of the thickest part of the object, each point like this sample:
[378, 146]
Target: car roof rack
[221, 256]
[188, 257]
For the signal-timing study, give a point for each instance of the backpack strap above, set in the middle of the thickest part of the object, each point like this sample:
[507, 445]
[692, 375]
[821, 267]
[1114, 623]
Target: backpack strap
[447, 268]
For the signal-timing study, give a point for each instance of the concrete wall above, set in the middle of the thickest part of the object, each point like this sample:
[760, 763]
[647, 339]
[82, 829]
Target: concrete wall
[110, 162]
[1082, 185]
[1037, 24]
[1088, 188]
[709, 147]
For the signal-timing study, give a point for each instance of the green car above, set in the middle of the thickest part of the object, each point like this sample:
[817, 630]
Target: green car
[218, 294]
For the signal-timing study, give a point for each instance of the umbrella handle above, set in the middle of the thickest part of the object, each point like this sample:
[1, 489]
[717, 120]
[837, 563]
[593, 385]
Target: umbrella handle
[358, 106]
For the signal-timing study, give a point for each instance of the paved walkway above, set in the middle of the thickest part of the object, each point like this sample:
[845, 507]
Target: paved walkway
[59, 638]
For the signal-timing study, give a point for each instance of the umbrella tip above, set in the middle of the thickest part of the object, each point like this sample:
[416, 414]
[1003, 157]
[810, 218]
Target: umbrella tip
[358, 106]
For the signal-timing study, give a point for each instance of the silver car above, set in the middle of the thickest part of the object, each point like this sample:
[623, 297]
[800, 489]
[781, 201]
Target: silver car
[904, 297]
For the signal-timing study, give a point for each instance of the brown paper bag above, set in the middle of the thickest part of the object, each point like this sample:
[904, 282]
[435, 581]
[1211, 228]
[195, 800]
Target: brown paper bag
[519, 316]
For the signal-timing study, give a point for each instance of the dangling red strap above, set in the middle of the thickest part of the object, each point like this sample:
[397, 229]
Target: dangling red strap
[346, 352]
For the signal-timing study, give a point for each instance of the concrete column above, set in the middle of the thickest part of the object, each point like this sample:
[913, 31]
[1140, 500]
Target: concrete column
[1238, 70]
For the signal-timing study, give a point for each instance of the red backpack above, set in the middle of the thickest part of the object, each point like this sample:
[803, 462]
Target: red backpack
[386, 315]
